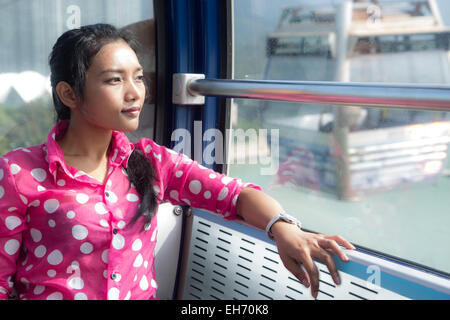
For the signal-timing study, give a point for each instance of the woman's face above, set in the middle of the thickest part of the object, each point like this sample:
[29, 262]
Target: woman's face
[114, 89]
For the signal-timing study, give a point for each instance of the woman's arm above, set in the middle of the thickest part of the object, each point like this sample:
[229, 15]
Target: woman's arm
[295, 246]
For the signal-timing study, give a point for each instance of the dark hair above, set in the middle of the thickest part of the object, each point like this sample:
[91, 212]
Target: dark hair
[69, 61]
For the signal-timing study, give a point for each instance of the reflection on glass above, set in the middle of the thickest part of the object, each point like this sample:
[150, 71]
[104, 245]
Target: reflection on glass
[390, 163]
[29, 30]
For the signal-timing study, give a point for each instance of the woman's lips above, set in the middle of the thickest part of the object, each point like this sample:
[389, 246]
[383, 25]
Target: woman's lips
[133, 111]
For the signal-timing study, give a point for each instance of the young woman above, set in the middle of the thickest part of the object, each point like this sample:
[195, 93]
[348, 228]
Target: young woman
[77, 213]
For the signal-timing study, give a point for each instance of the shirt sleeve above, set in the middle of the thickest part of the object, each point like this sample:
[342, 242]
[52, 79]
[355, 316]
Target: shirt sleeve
[186, 182]
[12, 223]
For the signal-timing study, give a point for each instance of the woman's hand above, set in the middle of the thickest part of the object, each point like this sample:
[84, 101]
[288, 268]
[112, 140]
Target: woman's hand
[298, 248]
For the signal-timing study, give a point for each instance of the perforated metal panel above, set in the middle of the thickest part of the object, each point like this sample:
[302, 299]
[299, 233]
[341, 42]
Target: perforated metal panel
[225, 263]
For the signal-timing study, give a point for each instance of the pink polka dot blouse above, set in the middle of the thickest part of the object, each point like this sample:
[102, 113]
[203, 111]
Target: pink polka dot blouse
[65, 235]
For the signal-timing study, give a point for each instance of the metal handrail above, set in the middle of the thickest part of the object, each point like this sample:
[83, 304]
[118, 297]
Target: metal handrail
[393, 95]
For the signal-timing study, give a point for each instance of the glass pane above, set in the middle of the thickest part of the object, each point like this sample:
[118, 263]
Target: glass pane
[377, 176]
[29, 30]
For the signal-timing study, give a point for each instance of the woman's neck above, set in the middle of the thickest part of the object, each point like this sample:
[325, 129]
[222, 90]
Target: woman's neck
[86, 148]
[81, 140]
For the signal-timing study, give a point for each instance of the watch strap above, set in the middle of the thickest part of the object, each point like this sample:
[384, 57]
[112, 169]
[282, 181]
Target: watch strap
[283, 217]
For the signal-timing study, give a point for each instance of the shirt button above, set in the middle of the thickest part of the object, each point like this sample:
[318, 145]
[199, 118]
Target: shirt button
[115, 230]
[113, 276]
[107, 194]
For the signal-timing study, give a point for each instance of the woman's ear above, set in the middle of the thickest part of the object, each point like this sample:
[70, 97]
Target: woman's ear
[66, 94]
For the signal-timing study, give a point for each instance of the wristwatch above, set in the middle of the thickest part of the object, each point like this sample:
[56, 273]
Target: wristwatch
[283, 217]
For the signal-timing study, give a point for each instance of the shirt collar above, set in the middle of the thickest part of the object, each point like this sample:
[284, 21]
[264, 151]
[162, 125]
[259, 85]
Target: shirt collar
[120, 149]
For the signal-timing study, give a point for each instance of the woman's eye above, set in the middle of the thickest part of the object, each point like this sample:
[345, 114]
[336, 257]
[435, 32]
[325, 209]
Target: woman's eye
[113, 80]
[140, 78]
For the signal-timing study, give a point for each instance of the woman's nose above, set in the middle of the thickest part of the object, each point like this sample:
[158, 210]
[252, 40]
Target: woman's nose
[133, 91]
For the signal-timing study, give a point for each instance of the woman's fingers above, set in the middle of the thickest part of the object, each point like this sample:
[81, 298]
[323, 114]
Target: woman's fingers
[296, 269]
[334, 247]
[312, 271]
[327, 259]
[341, 241]
[308, 247]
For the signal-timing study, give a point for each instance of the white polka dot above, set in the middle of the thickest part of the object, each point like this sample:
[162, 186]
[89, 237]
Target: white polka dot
[104, 223]
[153, 283]
[70, 214]
[223, 194]
[128, 296]
[212, 175]
[14, 168]
[207, 194]
[55, 257]
[156, 189]
[24, 200]
[51, 205]
[1, 174]
[61, 183]
[11, 246]
[111, 196]
[40, 251]
[132, 197]
[100, 208]
[80, 296]
[51, 273]
[12, 222]
[74, 265]
[55, 296]
[38, 289]
[121, 224]
[41, 188]
[76, 283]
[35, 203]
[79, 232]
[86, 248]
[179, 173]
[138, 261]
[235, 199]
[113, 294]
[51, 223]
[82, 198]
[148, 148]
[145, 264]
[105, 255]
[157, 156]
[137, 245]
[195, 186]
[143, 284]
[118, 241]
[174, 194]
[226, 180]
[36, 235]
[2, 192]
[39, 174]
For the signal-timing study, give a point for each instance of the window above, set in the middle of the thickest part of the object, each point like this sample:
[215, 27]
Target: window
[30, 28]
[378, 177]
